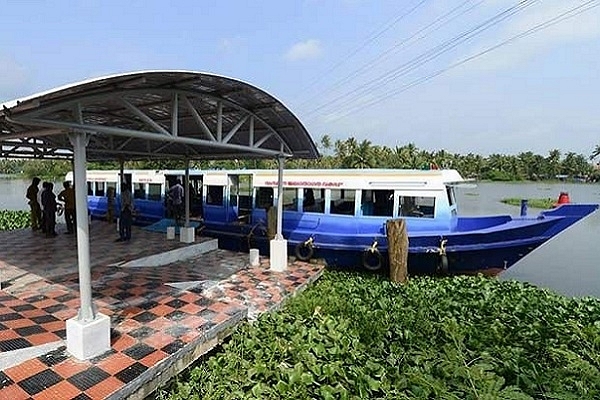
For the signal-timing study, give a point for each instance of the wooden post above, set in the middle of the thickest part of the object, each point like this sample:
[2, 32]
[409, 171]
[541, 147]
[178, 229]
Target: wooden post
[271, 222]
[397, 249]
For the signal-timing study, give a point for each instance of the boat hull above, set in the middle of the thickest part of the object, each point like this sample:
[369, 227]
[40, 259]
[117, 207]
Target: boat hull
[498, 244]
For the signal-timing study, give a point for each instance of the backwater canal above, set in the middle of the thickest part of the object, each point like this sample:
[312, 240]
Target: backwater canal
[568, 264]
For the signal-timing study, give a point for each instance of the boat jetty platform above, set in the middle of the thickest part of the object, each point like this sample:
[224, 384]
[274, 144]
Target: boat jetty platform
[169, 303]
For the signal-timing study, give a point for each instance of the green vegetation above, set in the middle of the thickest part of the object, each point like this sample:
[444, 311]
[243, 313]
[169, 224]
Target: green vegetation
[352, 336]
[532, 203]
[350, 153]
[10, 220]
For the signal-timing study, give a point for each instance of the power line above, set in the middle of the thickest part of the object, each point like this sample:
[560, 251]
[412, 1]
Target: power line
[398, 46]
[374, 36]
[423, 58]
[573, 12]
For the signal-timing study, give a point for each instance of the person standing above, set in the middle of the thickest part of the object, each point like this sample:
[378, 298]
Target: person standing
[176, 196]
[67, 196]
[34, 205]
[126, 218]
[49, 209]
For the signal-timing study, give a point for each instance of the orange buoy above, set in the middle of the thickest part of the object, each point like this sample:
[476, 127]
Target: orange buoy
[563, 198]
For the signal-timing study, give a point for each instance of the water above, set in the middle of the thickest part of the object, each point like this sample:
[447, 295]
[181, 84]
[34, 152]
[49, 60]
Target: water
[566, 264]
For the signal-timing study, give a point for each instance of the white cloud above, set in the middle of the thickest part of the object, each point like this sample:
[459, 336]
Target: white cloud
[304, 50]
[230, 44]
[12, 78]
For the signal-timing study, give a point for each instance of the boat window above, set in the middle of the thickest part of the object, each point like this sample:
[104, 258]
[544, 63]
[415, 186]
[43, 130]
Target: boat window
[264, 198]
[214, 195]
[450, 193]
[138, 191]
[377, 203]
[314, 200]
[99, 188]
[154, 191]
[416, 206]
[290, 199]
[90, 188]
[342, 201]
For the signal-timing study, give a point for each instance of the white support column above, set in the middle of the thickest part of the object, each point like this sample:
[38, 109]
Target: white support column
[120, 185]
[186, 190]
[88, 334]
[278, 246]
[187, 234]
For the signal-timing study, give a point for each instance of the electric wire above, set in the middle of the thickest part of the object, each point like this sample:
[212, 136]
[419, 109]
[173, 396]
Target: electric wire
[376, 35]
[423, 58]
[405, 43]
[571, 13]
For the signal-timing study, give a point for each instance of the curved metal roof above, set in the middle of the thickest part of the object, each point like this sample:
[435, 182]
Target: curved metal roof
[154, 114]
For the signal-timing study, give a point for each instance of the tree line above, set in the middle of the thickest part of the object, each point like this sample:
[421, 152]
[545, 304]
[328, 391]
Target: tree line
[351, 153]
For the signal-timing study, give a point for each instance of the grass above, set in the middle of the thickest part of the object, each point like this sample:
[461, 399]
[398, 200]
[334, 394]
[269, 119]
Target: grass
[532, 203]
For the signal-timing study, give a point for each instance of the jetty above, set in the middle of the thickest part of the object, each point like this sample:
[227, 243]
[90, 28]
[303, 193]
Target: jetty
[165, 312]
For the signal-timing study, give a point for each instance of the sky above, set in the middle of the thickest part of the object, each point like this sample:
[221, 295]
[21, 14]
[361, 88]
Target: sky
[480, 76]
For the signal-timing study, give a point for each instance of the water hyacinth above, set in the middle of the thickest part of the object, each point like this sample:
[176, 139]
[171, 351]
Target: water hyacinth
[359, 336]
[10, 220]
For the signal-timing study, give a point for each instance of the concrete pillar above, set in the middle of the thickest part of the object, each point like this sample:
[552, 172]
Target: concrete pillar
[278, 246]
[88, 334]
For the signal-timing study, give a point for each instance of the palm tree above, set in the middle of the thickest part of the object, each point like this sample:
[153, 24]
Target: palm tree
[596, 152]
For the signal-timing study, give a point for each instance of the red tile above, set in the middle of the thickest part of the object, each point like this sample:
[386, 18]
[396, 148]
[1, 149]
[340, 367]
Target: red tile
[25, 370]
[104, 388]
[123, 342]
[18, 323]
[115, 363]
[54, 326]
[8, 334]
[162, 310]
[43, 338]
[154, 358]
[159, 323]
[62, 390]
[13, 392]
[70, 367]
[191, 308]
[34, 313]
[159, 340]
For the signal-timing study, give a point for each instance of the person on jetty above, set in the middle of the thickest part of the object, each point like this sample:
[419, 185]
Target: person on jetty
[126, 213]
[110, 205]
[176, 196]
[67, 196]
[34, 205]
[49, 209]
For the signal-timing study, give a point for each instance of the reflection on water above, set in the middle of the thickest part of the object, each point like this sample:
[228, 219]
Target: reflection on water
[566, 264]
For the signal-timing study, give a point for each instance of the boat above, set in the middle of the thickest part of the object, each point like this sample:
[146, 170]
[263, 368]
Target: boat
[340, 215]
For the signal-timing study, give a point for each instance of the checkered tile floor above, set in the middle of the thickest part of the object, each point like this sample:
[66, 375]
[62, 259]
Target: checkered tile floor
[152, 323]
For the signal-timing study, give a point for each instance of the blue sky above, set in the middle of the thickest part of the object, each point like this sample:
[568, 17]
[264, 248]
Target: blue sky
[345, 67]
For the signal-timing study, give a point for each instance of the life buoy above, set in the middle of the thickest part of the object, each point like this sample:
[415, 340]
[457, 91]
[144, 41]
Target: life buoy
[372, 259]
[304, 251]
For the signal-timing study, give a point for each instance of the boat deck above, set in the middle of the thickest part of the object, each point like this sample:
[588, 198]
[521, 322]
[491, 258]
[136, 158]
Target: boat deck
[162, 318]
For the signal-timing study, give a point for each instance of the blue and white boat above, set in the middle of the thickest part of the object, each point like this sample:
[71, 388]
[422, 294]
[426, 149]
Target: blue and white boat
[340, 215]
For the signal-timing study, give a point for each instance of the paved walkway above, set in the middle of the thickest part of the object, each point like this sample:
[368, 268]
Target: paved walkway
[162, 318]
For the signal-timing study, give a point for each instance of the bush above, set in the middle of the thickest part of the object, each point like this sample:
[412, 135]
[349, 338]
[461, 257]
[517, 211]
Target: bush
[10, 220]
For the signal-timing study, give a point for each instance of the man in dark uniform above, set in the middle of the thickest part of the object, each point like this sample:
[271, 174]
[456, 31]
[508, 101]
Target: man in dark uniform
[36, 211]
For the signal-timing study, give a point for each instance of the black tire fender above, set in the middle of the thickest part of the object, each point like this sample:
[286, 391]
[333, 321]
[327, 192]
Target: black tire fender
[442, 267]
[304, 251]
[372, 259]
